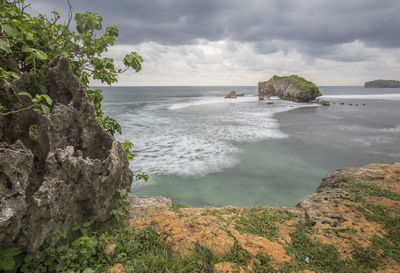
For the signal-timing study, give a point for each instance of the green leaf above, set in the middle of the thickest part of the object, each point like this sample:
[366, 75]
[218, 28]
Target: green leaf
[11, 252]
[26, 94]
[5, 46]
[7, 263]
[29, 36]
[41, 55]
[88, 270]
[45, 109]
[27, 49]
[10, 30]
[47, 98]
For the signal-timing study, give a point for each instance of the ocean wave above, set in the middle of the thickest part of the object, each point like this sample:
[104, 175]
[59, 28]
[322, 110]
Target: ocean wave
[394, 97]
[198, 142]
[211, 100]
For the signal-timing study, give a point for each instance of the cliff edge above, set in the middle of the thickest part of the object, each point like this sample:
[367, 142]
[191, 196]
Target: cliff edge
[56, 169]
[350, 225]
[292, 88]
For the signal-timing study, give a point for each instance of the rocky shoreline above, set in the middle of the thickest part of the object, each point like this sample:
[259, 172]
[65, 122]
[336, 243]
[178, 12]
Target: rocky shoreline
[354, 213]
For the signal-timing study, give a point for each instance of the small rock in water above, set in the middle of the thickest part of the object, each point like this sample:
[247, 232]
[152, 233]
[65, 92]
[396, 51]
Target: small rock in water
[342, 103]
[270, 102]
[350, 104]
[356, 105]
[231, 95]
[364, 104]
[261, 98]
[323, 102]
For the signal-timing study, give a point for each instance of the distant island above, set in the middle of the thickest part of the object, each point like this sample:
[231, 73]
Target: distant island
[382, 84]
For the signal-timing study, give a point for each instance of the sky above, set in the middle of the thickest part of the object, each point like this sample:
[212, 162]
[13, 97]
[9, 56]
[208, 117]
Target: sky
[232, 42]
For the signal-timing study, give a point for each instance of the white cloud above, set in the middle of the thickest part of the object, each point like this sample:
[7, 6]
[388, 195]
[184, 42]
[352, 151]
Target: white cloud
[228, 62]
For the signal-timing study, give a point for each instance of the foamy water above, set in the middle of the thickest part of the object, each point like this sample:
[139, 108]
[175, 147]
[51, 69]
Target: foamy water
[393, 97]
[197, 137]
[201, 149]
[214, 100]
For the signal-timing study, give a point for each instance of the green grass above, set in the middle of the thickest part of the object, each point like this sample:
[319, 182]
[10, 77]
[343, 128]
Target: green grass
[373, 190]
[305, 86]
[324, 258]
[219, 212]
[390, 243]
[340, 180]
[263, 222]
[337, 232]
[237, 255]
[177, 209]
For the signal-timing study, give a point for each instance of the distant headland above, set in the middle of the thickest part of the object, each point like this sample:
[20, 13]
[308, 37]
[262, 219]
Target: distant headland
[382, 84]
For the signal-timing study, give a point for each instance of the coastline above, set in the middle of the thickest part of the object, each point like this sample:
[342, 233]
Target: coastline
[335, 217]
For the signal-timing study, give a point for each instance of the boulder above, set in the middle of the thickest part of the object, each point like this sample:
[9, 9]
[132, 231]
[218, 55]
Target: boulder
[323, 102]
[58, 169]
[292, 88]
[231, 95]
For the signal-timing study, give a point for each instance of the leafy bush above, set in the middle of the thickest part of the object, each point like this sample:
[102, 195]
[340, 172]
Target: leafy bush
[32, 42]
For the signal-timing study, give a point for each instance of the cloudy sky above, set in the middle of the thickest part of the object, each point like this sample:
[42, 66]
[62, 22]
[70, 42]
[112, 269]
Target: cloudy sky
[232, 42]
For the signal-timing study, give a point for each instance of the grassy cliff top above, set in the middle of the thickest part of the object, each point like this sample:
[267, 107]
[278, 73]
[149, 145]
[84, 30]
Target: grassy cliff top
[303, 84]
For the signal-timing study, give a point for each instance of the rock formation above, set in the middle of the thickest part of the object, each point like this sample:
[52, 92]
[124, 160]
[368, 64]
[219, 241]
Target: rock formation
[55, 170]
[382, 84]
[292, 88]
[231, 95]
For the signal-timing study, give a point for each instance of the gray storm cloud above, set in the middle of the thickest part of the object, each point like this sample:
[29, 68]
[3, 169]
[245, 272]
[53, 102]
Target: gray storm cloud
[339, 30]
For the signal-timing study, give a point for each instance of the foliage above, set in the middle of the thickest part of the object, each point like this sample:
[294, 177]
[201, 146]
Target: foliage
[59, 254]
[305, 86]
[38, 101]
[34, 41]
[142, 176]
[127, 146]
[121, 204]
[7, 257]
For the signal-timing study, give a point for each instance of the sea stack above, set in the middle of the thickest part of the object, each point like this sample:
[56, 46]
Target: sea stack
[231, 95]
[292, 88]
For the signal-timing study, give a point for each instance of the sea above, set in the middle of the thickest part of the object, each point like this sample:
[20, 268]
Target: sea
[200, 149]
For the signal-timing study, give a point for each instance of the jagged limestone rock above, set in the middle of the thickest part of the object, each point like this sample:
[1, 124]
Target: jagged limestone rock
[55, 170]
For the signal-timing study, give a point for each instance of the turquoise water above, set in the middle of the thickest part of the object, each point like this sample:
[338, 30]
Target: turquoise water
[201, 149]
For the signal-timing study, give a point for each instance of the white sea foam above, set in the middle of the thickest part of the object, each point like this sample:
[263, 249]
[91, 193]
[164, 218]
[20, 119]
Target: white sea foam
[211, 100]
[199, 141]
[394, 97]
[356, 128]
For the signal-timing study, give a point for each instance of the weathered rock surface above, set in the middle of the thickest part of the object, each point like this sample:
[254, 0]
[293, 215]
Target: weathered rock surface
[231, 95]
[292, 88]
[55, 169]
